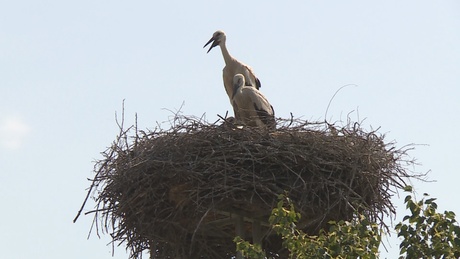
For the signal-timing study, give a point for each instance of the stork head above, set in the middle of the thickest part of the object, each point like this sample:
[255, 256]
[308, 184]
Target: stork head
[238, 81]
[217, 38]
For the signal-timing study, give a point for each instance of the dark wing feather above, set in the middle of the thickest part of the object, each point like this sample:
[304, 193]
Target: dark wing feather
[258, 84]
[267, 118]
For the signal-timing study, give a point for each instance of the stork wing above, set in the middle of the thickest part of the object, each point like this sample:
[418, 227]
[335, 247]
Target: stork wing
[263, 108]
[266, 117]
[258, 84]
[253, 80]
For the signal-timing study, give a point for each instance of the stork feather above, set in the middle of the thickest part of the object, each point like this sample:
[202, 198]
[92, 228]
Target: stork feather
[232, 65]
[251, 107]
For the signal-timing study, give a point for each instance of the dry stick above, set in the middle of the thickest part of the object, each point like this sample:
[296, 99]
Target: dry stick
[93, 184]
[330, 101]
[197, 227]
[94, 180]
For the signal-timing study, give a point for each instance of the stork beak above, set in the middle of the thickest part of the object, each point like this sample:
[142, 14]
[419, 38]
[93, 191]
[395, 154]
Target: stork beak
[214, 43]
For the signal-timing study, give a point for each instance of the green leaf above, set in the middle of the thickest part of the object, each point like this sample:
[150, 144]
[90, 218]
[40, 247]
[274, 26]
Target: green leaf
[449, 214]
[408, 198]
[408, 188]
[429, 201]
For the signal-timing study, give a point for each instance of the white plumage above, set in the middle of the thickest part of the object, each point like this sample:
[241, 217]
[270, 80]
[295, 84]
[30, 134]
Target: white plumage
[250, 105]
[232, 66]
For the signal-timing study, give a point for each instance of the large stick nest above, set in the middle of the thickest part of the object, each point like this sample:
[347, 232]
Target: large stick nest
[179, 191]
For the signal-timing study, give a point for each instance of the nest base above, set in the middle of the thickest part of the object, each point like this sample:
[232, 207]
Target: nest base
[188, 191]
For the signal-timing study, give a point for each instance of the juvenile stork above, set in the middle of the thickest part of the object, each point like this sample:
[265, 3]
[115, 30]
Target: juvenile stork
[250, 105]
[232, 66]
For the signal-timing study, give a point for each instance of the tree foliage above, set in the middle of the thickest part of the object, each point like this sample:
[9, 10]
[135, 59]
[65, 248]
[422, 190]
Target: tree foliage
[425, 233]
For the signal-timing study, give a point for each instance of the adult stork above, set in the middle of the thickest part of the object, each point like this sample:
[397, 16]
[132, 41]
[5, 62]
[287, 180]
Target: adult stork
[232, 65]
[250, 105]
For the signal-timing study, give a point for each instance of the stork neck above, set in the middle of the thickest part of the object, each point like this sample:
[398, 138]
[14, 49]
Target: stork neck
[227, 57]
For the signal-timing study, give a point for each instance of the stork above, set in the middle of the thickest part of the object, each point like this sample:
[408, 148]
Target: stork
[250, 105]
[232, 66]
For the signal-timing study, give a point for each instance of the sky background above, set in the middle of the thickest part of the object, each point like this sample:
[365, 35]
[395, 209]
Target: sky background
[67, 66]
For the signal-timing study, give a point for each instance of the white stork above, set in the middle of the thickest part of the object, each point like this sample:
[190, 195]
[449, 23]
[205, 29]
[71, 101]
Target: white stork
[232, 66]
[250, 105]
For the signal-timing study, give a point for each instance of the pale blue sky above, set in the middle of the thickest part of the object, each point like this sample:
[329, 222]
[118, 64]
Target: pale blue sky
[65, 68]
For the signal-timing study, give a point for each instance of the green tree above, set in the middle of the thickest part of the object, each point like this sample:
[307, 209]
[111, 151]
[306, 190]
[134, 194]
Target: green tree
[425, 232]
